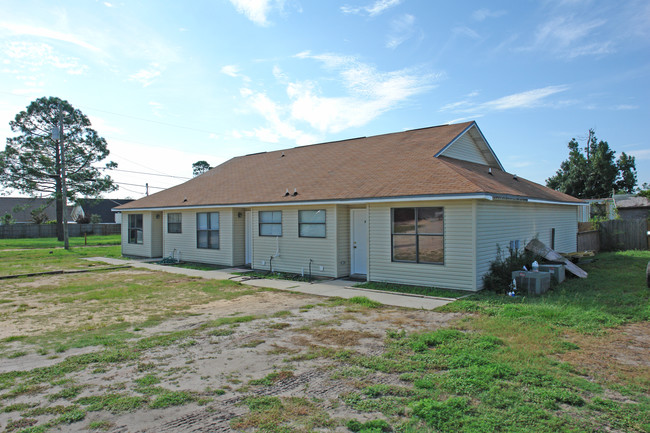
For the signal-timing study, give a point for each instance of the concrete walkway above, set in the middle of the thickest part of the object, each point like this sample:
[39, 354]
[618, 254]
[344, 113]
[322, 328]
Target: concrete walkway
[330, 288]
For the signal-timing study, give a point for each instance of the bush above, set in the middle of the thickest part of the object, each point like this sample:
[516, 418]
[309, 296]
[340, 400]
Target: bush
[499, 277]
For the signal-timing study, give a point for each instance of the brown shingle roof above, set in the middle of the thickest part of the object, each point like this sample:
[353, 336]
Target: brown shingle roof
[390, 165]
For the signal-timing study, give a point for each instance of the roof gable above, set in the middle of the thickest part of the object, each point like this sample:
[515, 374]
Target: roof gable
[471, 145]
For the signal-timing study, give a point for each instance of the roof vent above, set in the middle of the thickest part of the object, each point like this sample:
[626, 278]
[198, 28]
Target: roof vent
[295, 192]
[282, 156]
[185, 199]
[490, 170]
[286, 194]
[515, 177]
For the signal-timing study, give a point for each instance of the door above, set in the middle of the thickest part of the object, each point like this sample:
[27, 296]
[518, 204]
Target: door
[359, 242]
[248, 222]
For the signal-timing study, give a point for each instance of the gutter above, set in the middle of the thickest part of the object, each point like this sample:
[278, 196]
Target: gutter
[483, 196]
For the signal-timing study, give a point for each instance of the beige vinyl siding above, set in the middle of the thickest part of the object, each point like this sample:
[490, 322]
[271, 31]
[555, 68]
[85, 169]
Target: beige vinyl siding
[294, 251]
[185, 242]
[343, 240]
[139, 250]
[458, 271]
[465, 149]
[239, 237]
[499, 222]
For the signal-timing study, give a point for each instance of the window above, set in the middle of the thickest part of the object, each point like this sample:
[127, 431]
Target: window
[311, 223]
[418, 235]
[271, 223]
[135, 228]
[174, 222]
[207, 230]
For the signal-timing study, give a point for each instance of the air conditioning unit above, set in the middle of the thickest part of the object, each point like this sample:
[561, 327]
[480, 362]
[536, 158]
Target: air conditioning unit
[556, 271]
[533, 283]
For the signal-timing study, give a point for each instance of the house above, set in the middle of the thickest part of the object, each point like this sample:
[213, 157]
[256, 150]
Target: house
[103, 208]
[20, 208]
[350, 207]
[632, 207]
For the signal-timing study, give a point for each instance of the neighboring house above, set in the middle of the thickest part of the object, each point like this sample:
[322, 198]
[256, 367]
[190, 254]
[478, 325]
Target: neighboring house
[600, 208]
[103, 208]
[427, 207]
[20, 208]
[632, 207]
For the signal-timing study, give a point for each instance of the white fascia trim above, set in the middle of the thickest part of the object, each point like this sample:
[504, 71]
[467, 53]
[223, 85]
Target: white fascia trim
[318, 202]
[489, 147]
[441, 151]
[532, 200]
[482, 136]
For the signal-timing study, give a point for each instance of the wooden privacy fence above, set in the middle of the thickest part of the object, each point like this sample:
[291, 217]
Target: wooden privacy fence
[589, 240]
[18, 231]
[618, 235]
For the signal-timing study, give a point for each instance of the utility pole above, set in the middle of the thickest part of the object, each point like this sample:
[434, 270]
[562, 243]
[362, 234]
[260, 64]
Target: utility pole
[146, 185]
[64, 190]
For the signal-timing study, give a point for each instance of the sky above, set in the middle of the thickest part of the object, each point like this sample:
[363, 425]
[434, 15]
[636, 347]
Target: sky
[169, 83]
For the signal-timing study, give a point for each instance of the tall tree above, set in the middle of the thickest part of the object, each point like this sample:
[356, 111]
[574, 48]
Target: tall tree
[593, 172]
[200, 167]
[31, 161]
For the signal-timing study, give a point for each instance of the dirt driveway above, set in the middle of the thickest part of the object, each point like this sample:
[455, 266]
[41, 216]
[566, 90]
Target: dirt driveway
[214, 365]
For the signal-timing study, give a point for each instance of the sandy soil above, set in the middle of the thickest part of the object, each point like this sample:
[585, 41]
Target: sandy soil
[252, 351]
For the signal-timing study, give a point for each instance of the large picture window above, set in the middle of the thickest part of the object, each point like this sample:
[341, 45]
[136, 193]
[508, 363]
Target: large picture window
[135, 228]
[270, 223]
[418, 235]
[174, 222]
[311, 223]
[207, 230]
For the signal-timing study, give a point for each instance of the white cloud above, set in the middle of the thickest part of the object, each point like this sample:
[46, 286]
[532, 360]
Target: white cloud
[231, 70]
[21, 29]
[279, 126]
[109, 5]
[527, 99]
[626, 107]
[35, 55]
[147, 76]
[570, 37]
[255, 10]
[483, 14]
[401, 30]
[373, 9]
[156, 108]
[465, 31]
[369, 93]
[366, 94]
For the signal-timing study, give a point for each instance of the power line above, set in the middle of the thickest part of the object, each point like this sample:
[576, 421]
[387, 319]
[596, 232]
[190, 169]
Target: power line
[143, 186]
[141, 172]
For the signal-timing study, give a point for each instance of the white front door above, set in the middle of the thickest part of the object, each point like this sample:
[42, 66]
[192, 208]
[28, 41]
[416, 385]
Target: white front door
[359, 241]
[248, 222]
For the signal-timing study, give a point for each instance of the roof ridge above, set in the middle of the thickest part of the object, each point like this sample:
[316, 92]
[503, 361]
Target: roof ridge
[359, 138]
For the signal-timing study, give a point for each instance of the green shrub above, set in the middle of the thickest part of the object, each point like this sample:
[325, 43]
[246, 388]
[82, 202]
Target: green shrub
[499, 277]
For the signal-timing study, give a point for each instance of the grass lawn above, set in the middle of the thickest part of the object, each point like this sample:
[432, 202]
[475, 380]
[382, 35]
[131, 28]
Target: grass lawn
[573, 360]
[54, 243]
[530, 364]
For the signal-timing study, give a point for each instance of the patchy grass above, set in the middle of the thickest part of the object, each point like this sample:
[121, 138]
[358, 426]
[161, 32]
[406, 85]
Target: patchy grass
[272, 378]
[503, 368]
[287, 414]
[21, 261]
[414, 290]
[275, 276]
[78, 241]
